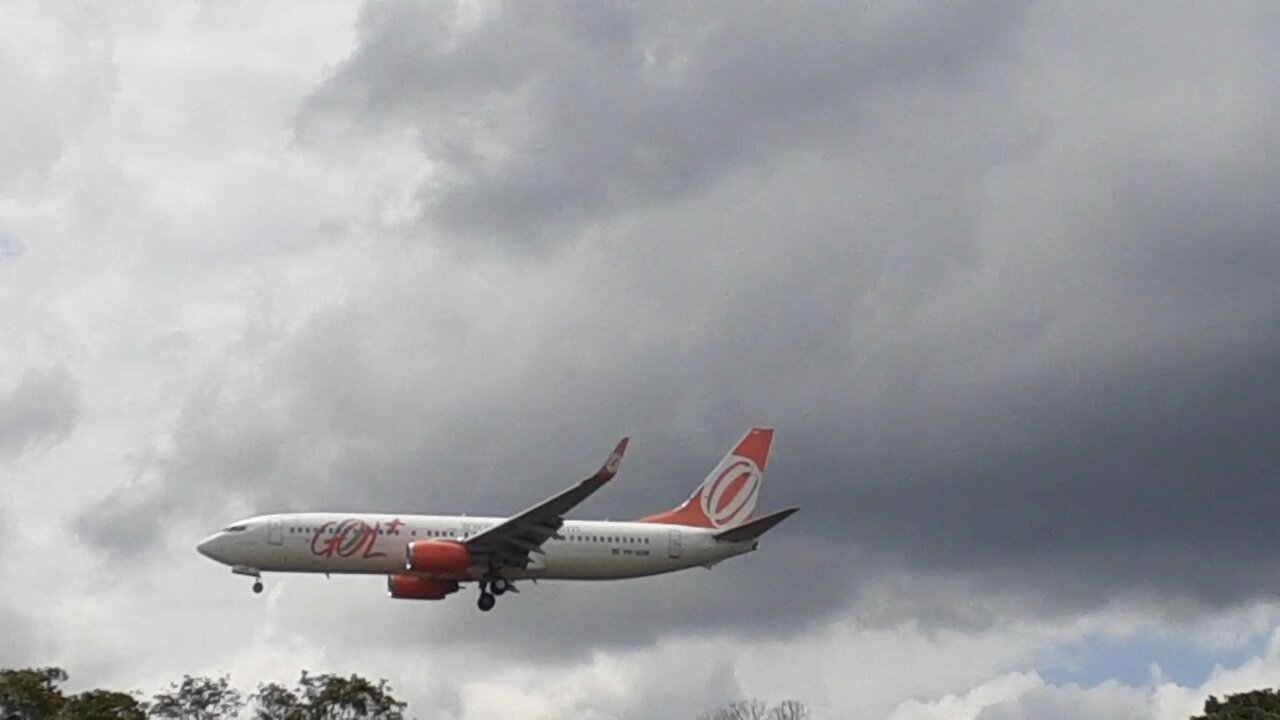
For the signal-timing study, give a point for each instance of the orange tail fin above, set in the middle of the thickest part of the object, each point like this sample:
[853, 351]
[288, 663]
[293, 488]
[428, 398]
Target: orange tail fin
[728, 496]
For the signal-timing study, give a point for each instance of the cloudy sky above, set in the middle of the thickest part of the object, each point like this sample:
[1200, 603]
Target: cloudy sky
[1004, 276]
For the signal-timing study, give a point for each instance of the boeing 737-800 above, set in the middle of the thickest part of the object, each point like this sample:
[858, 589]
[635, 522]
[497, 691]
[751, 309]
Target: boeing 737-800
[426, 557]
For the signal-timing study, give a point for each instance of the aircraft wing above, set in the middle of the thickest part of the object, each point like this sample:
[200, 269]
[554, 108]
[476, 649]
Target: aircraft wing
[511, 541]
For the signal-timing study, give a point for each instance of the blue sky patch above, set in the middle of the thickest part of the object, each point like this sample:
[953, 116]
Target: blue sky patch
[1129, 660]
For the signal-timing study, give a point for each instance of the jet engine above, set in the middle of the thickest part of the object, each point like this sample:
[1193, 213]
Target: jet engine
[409, 587]
[437, 557]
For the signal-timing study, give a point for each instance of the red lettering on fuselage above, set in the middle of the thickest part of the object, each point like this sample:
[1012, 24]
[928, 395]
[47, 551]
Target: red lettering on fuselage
[349, 538]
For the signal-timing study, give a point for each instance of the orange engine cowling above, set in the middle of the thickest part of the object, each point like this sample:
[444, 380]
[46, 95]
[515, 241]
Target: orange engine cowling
[408, 587]
[437, 557]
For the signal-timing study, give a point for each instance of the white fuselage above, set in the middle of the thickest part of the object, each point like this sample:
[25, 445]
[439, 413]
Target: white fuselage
[376, 544]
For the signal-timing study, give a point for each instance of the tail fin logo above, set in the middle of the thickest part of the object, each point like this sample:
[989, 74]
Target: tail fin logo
[730, 497]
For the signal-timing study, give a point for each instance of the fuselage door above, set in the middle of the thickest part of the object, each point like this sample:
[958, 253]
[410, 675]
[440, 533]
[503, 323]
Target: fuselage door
[275, 532]
[673, 544]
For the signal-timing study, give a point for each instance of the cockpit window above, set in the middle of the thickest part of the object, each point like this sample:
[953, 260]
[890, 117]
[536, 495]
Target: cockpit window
[235, 528]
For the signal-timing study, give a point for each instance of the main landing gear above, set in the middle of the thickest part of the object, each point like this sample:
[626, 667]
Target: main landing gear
[490, 589]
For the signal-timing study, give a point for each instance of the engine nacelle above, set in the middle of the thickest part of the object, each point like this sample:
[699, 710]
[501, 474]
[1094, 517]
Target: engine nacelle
[437, 557]
[409, 587]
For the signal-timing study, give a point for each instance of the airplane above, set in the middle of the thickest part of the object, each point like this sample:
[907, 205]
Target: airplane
[428, 557]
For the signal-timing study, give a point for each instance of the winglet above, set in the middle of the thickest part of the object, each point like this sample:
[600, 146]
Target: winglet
[610, 467]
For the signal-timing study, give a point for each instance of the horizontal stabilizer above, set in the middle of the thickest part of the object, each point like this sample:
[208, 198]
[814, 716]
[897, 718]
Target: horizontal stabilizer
[755, 528]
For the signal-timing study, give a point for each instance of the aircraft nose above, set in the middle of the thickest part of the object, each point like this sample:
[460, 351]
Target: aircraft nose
[208, 547]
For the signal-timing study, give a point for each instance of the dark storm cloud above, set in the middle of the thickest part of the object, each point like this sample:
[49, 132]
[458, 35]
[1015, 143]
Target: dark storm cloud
[1017, 332]
[127, 523]
[540, 119]
[41, 407]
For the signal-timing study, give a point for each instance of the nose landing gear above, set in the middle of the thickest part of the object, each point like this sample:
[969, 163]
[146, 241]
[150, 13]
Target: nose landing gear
[254, 573]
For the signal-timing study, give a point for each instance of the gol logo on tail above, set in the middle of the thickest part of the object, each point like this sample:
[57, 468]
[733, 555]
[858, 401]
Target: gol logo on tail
[730, 498]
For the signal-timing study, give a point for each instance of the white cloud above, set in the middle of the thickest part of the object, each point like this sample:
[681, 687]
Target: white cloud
[1024, 696]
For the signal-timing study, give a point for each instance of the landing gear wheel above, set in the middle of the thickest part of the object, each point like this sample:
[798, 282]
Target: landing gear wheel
[499, 586]
[257, 586]
[486, 602]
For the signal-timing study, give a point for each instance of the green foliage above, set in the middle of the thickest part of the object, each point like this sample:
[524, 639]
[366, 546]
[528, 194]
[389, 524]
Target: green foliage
[103, 705]
[198, 698]
[273, 701]
[34, 694]
[1254, 705]
[31, 692]
[327, 697]
[330, 697]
